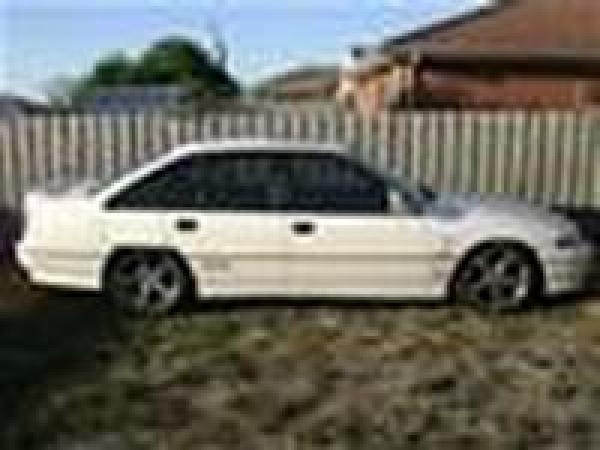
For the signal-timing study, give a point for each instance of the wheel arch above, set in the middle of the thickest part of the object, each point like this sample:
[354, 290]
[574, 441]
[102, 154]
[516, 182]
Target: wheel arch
[474, 249]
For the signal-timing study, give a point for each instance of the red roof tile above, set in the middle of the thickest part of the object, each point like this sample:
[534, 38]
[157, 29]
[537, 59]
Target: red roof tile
[515, 25]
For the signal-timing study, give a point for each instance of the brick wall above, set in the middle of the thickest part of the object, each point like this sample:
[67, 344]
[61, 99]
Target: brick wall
[508, 91]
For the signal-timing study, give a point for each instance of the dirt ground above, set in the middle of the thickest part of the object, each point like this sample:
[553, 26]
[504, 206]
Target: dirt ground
[318, 375]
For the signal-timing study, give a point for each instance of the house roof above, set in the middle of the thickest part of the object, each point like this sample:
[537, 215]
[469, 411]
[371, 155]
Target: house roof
[444, 25]
[302, 80]
[540, 32]
[512, 25]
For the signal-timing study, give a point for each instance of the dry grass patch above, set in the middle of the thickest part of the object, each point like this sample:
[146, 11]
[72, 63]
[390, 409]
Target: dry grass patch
[309, 376]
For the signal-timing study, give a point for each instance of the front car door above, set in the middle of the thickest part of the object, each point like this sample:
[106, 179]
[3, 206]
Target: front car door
[344, 237]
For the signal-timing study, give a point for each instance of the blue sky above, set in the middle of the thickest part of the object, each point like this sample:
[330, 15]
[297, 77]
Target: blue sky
[42, 39]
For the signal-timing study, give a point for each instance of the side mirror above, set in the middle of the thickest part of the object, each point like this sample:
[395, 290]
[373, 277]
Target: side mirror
[399, 206]
[396, 203]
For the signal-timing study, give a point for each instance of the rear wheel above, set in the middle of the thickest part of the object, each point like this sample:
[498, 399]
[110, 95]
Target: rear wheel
[147, 282]
[498, 277]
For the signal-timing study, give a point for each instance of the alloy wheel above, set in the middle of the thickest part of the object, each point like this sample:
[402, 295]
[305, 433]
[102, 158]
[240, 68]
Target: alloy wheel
[498, 278]
[146, 283]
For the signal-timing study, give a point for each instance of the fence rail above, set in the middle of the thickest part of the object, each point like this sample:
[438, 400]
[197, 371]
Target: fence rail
[549, 157]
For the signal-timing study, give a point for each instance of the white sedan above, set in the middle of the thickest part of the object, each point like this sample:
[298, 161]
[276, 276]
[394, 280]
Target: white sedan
[291, 219]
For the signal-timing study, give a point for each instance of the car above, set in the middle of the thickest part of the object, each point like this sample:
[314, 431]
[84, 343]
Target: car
[289, 219]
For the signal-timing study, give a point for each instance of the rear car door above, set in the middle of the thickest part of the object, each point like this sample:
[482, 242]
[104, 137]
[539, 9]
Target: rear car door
[214, 210]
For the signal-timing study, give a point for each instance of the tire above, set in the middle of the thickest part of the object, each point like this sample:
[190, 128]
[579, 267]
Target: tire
[498, 277]
[147, 283]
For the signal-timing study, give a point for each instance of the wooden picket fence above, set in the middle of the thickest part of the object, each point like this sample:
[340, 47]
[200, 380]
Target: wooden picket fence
[548, 157]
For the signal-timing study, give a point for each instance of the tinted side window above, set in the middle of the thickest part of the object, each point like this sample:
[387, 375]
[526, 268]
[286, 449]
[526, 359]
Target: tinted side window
[258, 182]
[323, 183]
[203, 182]
[168, 188]
[232, 182]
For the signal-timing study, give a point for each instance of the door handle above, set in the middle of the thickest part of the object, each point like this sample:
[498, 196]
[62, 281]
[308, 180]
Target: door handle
[186, 225]
[303, 228]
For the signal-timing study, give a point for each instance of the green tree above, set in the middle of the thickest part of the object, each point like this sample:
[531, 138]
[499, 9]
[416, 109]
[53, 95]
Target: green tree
[113, 69]
[173, 60]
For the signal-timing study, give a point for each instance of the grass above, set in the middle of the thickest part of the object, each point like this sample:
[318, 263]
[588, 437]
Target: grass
[296, 376]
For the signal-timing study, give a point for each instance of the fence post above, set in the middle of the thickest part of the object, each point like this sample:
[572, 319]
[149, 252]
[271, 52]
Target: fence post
[448, 150]
[459, 161]
[431, 174]
[416, 145]
[73, 147]
[384, 141]
[503, 152]
[568, 159]
[6, 185]
[551, 148]
[595, 160]
[584, 158]
[402, 141]
[22, 164]
[533, 150]
[124, 144]
[189, 131]
[483, 151]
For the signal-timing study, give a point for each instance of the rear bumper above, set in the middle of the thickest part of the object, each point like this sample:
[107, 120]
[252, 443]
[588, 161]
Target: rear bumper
[56, 270]
[22, 273]
[20, 266]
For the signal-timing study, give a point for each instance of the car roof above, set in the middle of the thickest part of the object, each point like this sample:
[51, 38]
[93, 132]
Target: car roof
[262, 145]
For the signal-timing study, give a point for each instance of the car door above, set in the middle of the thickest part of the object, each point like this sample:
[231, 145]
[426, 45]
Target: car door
[345, 240]
[213, 209]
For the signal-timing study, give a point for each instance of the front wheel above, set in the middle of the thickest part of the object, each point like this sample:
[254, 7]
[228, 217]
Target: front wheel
[147, 282]
[499, 277]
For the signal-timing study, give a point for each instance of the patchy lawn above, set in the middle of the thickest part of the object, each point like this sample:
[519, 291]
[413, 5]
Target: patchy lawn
[302, 376]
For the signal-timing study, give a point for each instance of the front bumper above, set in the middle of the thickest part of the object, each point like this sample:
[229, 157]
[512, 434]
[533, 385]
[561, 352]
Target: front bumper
[569, 271]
